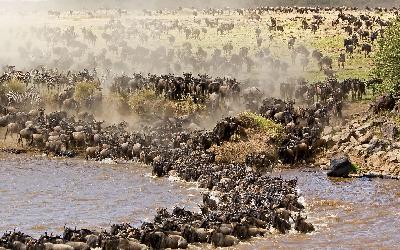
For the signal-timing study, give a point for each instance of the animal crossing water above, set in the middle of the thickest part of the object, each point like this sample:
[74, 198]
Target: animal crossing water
[347, 214]
[38, 194]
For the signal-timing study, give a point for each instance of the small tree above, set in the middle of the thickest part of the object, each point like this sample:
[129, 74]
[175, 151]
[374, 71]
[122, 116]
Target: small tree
[387, 59]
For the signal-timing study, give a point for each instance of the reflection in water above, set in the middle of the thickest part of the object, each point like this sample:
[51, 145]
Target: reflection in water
[38, 194]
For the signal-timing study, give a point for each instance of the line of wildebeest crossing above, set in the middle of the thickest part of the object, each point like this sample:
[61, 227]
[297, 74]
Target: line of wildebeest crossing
[240, 200]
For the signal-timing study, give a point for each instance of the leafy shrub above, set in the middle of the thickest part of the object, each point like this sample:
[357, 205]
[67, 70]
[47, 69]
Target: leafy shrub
[387, 59]
[185, 107]
[354, 168]
[145, 101]
[84, 89]
[258, 122]
[15, 85]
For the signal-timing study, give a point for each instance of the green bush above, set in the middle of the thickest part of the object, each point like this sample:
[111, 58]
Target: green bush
[15, 85]
[254, 121]
[387, 59]
[185, 106]
[145, 101]
[354, 168]
[84, 89]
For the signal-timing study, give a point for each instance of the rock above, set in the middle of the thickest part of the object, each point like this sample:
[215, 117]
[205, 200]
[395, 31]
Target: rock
[364, 128]
[324, 167]
[340, 166]
[329, 141]
[327, 130]
[378, 122]
[389, 131]
[336, 138]
[358, 149]
[345, 137]
[394, 156]
[374, 145]
[193, 127]
[323, 161]
[353, 140]
[365, 138]
[380, 153]
[335, 148]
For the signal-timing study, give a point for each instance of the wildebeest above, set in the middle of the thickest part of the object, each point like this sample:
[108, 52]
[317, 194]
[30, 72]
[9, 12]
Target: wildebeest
[366, 48]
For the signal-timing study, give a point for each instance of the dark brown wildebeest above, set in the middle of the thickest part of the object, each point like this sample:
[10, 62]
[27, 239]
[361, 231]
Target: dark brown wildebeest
[366, 48]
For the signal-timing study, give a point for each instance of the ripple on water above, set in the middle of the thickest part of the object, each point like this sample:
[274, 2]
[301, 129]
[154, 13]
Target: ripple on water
[40, 194]
[347, 213]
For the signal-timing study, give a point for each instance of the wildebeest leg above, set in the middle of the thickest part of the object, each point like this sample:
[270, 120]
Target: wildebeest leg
[20, 142]
[31, 142]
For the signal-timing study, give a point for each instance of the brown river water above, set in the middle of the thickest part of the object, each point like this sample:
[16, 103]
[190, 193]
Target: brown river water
[38, 194]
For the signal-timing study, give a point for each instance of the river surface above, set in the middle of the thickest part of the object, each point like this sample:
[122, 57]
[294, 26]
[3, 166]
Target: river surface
[347, 213]
[38, 194]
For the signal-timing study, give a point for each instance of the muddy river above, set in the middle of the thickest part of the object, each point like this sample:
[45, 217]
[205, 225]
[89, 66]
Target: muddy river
[348, 214]
[38, 194]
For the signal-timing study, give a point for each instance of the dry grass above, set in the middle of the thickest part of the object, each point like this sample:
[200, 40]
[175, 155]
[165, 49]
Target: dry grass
[237, 152]
[12, 85]
[262, 137]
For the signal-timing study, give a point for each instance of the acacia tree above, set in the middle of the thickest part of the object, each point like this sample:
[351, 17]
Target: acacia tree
[387, 58]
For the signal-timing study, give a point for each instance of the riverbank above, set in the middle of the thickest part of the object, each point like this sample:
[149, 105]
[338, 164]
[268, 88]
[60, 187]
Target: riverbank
[239, 202]
[340, 209]
[370, 140]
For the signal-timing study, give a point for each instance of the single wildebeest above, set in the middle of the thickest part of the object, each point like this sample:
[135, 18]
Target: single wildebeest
[341, 60]
[366, 48]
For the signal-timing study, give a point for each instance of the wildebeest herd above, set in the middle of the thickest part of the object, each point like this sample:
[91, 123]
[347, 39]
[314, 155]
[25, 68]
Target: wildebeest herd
[47, 111]
[257, 204]
[217, 42]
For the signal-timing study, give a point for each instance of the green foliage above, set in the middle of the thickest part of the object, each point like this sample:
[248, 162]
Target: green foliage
[186, 106]
[15, 85]
[387, 59]
[84, 89]
[145, 101]
[251, 120]
[354, 168]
